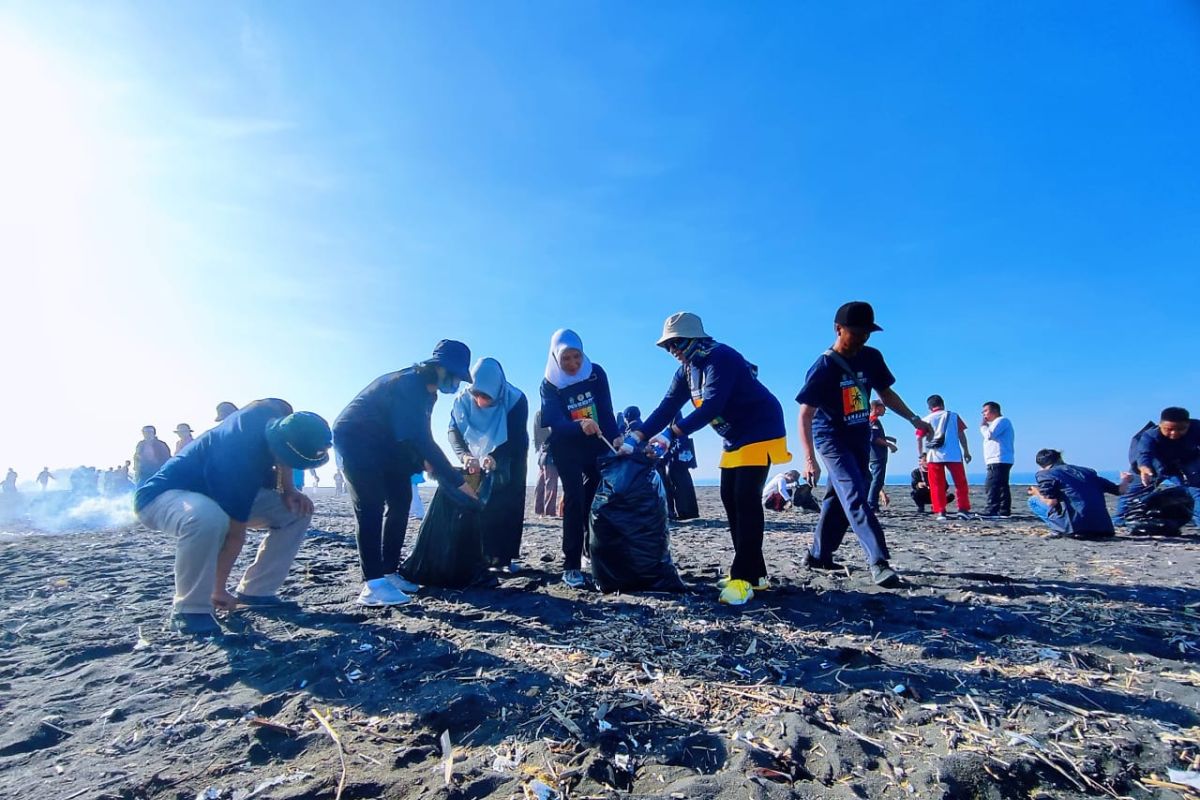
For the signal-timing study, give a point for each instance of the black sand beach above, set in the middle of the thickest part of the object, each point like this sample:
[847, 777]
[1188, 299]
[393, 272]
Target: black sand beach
[1010, 665]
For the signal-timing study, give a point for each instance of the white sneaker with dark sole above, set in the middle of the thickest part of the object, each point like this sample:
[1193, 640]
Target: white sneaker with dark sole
[381, 592]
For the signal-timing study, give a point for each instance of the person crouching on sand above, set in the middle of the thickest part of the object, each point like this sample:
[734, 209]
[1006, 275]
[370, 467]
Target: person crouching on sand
[1070, 499]
[577, 407]
[835, 423]
[725, 391]
[383, 438]
[488, 432]
[232, 477]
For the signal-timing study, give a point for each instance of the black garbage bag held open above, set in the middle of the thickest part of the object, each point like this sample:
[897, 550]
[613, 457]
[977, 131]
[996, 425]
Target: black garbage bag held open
[628, 540]
[1158, 512]
[448, 551]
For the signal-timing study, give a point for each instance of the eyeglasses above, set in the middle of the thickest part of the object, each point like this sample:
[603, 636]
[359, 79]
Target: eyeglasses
[674, 344]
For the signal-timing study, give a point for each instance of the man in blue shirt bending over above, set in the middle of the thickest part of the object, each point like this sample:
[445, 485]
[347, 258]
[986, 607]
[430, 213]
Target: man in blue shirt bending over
[1070, 499]
[236, 475]
[1170, 454]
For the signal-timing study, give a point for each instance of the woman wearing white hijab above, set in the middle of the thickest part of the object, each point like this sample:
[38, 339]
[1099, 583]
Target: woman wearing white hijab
[488, 432]
[577, 407]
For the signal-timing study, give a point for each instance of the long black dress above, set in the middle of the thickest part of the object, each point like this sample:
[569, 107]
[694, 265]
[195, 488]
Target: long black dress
[503, 518]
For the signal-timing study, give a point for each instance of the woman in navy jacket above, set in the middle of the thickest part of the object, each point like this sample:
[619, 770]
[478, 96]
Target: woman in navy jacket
[577, 407]
[725, 392]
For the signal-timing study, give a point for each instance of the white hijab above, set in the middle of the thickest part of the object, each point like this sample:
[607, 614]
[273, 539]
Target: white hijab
[566, 339]
[485, 429]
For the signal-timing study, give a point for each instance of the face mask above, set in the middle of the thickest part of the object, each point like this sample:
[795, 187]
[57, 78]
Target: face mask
[449, 385]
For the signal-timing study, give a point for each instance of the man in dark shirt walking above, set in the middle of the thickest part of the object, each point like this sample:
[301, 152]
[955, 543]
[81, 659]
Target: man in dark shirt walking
[834, 422]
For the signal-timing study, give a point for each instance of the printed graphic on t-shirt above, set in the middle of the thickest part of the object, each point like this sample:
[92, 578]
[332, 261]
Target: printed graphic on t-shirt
[582, 406]
[854, 403]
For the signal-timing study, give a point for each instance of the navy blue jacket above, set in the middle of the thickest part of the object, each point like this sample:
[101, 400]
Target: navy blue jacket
[727, 395]
[390, 415]
[562, 409]
[229, 463]
[1080, 495]
[1171, 457]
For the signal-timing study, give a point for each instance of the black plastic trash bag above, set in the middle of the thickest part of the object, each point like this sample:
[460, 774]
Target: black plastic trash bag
[1159, 512]
[628, 540]
[448, 551]
[803, 498]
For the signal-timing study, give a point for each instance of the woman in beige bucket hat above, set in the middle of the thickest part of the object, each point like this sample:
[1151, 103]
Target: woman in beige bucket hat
[725, 393]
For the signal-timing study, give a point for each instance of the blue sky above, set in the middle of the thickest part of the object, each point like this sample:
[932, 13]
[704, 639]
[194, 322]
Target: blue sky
[212, 201]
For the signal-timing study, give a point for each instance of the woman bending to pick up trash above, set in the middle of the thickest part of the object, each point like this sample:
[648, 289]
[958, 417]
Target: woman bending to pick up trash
[383, 437]
[725, 391]
[577, 407]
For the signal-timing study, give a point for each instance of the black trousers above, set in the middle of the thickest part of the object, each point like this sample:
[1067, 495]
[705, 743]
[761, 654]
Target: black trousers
[381, 492]
[741, 494]
[999, 498]
[683, 496]
[580, 478]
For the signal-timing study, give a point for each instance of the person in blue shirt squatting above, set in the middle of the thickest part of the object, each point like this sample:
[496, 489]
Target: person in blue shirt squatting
[1169, 454]
[577, 407]
[725, 391]
[234, 476]
[383, 438]
[835, 422]
[1070, 499]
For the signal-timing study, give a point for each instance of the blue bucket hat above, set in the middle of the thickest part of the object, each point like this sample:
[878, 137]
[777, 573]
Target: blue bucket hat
[301, 440]
[454, 356]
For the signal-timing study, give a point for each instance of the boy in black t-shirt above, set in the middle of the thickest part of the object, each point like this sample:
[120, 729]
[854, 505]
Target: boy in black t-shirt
[835, 422]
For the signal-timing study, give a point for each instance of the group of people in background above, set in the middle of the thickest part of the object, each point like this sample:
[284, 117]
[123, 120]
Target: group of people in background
[246, 471]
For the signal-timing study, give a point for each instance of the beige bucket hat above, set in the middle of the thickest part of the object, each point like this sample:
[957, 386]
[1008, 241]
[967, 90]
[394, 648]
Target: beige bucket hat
[682, 325]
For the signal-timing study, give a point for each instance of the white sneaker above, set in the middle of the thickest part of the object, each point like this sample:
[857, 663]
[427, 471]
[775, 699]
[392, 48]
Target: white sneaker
[402, 583]
[940, 518]
[381, 592]
[573, 578]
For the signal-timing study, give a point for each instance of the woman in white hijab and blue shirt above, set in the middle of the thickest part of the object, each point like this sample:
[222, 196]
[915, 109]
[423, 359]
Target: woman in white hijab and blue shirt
[577, 407]
[488, 432]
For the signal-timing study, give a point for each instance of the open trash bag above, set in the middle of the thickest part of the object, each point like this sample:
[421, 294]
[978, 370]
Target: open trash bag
[1158, 512]
[628, 540]
[448, 551]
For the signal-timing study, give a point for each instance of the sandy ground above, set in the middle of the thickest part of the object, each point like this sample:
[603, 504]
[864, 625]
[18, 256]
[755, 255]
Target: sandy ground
[1009, 665]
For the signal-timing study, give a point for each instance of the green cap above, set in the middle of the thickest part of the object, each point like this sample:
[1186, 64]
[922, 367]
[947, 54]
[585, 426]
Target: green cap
[301, 440]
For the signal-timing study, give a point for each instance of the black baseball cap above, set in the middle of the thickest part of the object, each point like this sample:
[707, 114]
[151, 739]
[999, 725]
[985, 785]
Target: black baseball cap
[856, 314]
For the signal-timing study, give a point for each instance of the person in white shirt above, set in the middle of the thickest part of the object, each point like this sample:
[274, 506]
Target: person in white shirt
[777, 494]
[945, 450]
[998, 455]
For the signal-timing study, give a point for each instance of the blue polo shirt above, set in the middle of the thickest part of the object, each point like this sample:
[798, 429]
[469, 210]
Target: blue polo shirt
[842, 409]
[1080, 495]
[228, 464]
